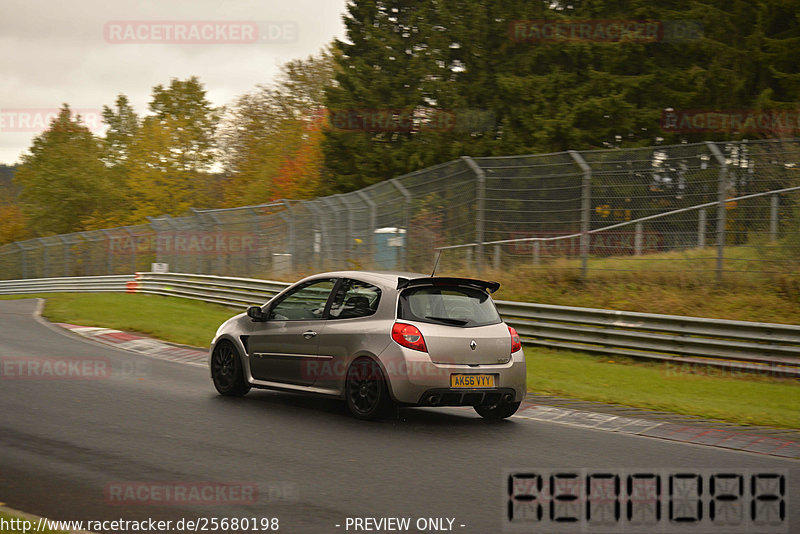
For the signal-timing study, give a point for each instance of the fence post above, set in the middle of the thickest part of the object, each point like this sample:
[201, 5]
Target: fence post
[348, 245]
[722, 191]
[109, 252]
[45, 266]
[292, 233]
[637, 240]
[774, 202]
[254, 224]
[222, 260]
[406, 217]
[133, 247]
[536, 252]
[318, 234]
[586, 210]
[701, 228]
[22, 261]
[64, 253]
[373, 221]
[480, 201]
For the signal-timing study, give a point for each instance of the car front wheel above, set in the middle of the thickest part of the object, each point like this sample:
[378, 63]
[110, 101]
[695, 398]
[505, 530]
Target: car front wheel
[498, 411]
[366, 390]
[227, 372]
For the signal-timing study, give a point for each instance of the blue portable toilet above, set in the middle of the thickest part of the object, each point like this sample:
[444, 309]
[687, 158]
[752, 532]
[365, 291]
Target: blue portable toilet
[389, 242]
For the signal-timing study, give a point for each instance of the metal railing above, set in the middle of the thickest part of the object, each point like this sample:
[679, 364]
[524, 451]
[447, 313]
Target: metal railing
[740, 346]
[75, 284]
[638, 234]
[767, 348]
[517, 202]
[234, 292]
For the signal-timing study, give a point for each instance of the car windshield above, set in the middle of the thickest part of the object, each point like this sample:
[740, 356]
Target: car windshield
[450, 305]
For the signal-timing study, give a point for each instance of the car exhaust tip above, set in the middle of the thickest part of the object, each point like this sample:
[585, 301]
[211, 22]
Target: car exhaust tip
[508, 398]
[433, 400]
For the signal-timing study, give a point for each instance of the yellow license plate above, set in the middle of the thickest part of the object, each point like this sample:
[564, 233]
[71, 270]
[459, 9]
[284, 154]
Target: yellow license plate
[471, 381]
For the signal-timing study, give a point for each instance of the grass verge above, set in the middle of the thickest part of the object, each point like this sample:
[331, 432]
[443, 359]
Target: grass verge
[672, 283]
[653, 385]
[747, 400]
[178, 320]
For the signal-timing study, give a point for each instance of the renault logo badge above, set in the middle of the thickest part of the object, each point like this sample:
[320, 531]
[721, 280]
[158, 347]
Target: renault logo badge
[473, 345]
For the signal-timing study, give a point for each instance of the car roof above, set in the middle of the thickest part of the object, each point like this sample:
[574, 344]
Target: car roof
[387, 277]
[393, 278]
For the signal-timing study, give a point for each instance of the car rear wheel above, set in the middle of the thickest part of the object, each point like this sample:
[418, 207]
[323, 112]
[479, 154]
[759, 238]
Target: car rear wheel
[498, 411]
[227, 372]
[366, 390]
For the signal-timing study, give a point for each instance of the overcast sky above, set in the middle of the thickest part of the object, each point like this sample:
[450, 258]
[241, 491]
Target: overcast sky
[86, 52]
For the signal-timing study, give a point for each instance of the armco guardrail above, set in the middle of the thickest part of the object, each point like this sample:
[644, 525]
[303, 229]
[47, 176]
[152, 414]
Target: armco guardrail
[75, 284]
[767, 348]
[736, 345]
[228, 291]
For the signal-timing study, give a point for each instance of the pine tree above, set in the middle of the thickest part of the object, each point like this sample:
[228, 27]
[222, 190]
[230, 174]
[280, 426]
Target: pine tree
[379, 103]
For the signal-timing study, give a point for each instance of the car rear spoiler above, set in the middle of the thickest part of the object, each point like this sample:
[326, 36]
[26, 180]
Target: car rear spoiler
[489, 287]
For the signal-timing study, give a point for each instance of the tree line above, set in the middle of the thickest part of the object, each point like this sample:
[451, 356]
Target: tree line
[415, 83]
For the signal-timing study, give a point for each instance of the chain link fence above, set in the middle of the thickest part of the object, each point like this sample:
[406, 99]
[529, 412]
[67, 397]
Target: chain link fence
[584, 212]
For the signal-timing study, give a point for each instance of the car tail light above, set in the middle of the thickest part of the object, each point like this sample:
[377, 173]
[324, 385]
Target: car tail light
[516, 344]
[409, 336]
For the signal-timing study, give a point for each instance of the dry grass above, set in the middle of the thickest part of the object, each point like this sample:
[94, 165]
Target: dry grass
[675, 283]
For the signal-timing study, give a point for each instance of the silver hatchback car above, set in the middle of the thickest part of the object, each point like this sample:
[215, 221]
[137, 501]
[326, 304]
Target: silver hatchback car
[377, 340]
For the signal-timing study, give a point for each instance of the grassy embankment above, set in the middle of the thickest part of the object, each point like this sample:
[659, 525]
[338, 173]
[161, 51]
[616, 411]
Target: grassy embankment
[674, 283]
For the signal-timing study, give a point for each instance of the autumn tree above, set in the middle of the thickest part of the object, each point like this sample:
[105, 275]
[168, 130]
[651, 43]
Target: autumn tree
[123, 129]
[271, 137]
[12, 221]
[62, 179]
[172, 152]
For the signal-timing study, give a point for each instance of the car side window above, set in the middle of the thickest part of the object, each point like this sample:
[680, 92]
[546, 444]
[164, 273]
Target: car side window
[304, 303]
[355, 299]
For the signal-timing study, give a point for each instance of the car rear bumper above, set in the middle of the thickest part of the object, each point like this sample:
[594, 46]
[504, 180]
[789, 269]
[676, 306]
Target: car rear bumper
[466, 397]
[414, 379]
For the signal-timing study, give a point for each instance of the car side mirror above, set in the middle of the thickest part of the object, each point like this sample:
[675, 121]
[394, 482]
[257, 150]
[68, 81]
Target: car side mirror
[256, 313]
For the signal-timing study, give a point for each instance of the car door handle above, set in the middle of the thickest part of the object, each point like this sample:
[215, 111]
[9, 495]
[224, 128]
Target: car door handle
[309, 334]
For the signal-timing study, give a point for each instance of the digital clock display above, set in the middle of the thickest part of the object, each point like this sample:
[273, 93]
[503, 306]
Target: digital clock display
[646, 500]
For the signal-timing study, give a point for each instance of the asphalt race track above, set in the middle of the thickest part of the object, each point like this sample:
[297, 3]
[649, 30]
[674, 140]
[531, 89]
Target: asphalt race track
[67, 443]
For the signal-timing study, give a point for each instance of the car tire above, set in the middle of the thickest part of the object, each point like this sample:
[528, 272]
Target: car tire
[366, 391]
[227, 372]
[498, 411]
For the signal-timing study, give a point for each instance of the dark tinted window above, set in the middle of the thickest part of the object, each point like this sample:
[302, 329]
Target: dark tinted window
[355, 299]
[306, 302]
[454, 306]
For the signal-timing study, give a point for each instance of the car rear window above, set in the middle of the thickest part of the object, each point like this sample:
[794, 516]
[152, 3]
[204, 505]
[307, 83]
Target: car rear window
[452, 306]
